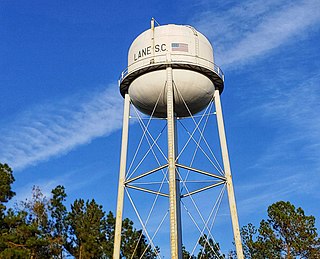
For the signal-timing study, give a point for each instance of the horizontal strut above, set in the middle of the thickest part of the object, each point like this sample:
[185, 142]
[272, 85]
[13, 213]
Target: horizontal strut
[202, 189]
[146, 174]
[146, 190]
[201, 172]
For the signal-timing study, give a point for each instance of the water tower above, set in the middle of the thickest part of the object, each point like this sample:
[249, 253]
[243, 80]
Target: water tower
[171, 75]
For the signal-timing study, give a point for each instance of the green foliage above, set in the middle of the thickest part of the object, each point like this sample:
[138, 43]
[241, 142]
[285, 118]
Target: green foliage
[91, 234]
[87, 232]
[58, 210]
[14, 235]
[287, 233]
[43, 228]
[6, 179]
[58, 225]
[186, 254]
[248, 234]
[110, 226]
[25, 233]
[209, 249]
[133, 242]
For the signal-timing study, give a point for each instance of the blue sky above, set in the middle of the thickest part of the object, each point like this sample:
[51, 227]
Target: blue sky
[61, 111]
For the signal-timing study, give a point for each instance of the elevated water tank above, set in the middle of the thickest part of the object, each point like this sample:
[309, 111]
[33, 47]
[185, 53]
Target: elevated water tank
[195, 76]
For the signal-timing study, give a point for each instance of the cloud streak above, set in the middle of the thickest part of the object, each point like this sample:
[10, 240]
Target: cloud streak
[295, 112]
[51, 129]
[251, 31]
[253, 28]
[288, 167]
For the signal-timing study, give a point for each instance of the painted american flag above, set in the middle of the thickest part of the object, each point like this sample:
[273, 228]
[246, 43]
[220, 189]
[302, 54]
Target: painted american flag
[179, 47]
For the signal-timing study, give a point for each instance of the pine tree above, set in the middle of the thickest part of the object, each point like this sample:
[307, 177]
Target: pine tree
[186, 254]
[209, 249]
[110, 226]
[37, 229]
[58, 214]
[25, 231]
[6, 193]
[87, 230]
[291, 230]
[133, 242]
[287, 233]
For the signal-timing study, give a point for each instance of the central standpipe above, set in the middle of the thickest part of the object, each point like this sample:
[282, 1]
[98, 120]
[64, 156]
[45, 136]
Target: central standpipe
[174, 182]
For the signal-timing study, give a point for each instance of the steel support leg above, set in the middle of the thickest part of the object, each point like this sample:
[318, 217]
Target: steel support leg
[227, 170]
[122, 175]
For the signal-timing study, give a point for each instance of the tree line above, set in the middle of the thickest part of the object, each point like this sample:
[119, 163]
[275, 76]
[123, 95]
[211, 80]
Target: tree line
[42, 227]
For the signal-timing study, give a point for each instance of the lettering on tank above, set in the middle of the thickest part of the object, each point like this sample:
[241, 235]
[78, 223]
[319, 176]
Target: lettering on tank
[147, 51]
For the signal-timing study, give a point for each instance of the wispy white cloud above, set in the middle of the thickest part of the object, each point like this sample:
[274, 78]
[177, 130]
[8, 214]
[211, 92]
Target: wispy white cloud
[295, 112]
[288, 167]
[285, 163]
[259, 195]
[252, 28]
[243, 32]
[51, 129]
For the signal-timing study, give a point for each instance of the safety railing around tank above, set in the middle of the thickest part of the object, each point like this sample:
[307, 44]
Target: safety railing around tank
[216, 68]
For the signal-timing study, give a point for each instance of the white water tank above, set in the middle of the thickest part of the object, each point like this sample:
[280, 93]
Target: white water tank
[195, 76]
